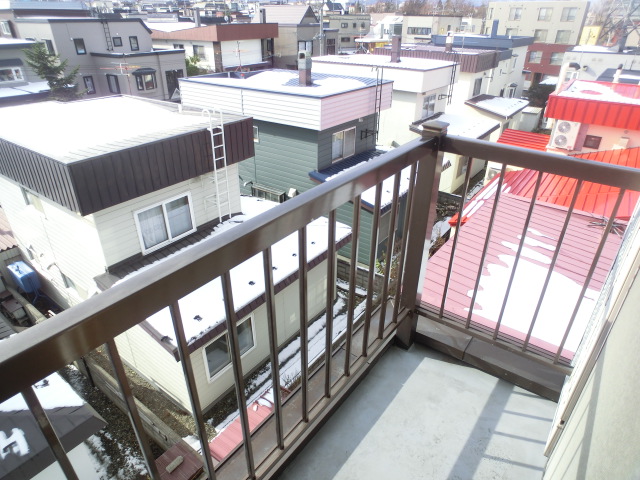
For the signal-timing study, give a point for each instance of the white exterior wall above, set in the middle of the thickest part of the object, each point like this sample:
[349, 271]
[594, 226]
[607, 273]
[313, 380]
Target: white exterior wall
[208, 63]
[244, 52]
[611, 138]
[295, 110]
[116, 225]
[59, 237]
[597, 62]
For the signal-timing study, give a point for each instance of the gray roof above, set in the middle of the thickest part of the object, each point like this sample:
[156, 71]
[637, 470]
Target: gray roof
[285, 14]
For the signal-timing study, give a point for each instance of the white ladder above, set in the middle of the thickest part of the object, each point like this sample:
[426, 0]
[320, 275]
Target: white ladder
[216, 131]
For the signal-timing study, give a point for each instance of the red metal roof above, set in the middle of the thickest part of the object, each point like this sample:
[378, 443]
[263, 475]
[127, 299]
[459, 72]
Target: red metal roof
[7, 240]
[534, 141]
[574, 260]
[604, 104]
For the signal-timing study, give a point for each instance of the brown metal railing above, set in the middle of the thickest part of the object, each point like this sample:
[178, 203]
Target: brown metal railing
[97, 321]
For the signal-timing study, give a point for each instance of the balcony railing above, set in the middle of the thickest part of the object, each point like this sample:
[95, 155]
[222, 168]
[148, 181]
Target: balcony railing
[391, 305]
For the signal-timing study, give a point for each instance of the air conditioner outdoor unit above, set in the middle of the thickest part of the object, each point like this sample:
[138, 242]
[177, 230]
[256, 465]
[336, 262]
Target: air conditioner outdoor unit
[565, 134]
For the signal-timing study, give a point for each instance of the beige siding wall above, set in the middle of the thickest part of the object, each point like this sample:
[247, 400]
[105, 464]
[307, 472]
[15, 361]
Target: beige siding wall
[60, 240]
[117, 228]
[346, 107]
[244, 52]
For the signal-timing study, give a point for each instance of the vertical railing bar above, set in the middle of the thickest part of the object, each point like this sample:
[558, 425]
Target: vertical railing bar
[390, 247]
[405, 239]
[236, 363]
[187, 368]
[486, 243]
[49, 433]
[373, 248]
[132, 409]
[353, 267]
[465, 188]
[552, 265]
[518, 253]
[331, 288]
[273, 342]
[304, 332]
[592, 269]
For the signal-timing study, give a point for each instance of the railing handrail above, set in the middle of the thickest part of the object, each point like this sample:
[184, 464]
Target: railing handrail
[554, 163]
[49, 346]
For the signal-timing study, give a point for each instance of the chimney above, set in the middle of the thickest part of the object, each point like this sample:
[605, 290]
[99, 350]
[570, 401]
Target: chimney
[494, 29]
[396, 44]
[304, 69]
[616, 76]
[196, 15]
[448, 42]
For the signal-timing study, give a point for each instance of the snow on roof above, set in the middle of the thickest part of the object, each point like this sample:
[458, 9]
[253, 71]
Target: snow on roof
[549, 80]
[603, 92]
[595, 49]
[505, 107]
[15, 41]
[53, 392]
[171, 26]
[406, 63]
[29, 88]
[286, 81]
[203, 309]
[468, 126]
[108, 124]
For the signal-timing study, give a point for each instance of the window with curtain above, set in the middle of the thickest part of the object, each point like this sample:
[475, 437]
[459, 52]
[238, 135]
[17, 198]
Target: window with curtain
[164, 223]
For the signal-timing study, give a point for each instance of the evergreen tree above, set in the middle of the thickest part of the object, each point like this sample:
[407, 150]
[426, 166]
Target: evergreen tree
[48, 66]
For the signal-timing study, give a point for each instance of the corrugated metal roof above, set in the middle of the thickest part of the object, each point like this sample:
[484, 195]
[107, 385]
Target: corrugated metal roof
[574, 260]
[501, 106]
[7, 240]
[534, 141]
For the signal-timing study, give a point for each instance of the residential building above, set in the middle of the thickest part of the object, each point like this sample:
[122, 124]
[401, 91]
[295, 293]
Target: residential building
[419, 28]
[219, 48]
[507, 111]
[113, 56]
[18, 81]
[304, 122]
[298, 31]
[555, 25]
[384, 26]
[10, 10]
[600, 63]
[592, 116]
[350, 28]
[421, 88]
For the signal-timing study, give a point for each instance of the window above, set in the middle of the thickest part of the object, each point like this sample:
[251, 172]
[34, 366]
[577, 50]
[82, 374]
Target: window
[343, 144]
[540, 35]
[305, 46]
[88, 85]
[33, 200]
[418, 31]
[178, 46]
[6, 29]
[511, 32]
[535, 56]
[79, 44]
[117, 41]
[198, 51]
[515, 13]
[256, 134]
[49, 45]
[114, 85]
[568, 14]
[146, 81]
[363, 25]
[345, 39]
[164, 223]
[563, 36]
[544, 14]
[490, 13]
[11, 74]
[477, 86]
[591, 141]
[217, 355]
[355, 25]
[133, 41]
[428, 106]
[556, 58]
[344, 25]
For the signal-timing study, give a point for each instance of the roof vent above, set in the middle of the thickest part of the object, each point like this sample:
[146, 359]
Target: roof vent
[304, 69]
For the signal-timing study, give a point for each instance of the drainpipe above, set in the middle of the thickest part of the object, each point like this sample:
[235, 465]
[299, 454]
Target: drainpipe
[196, 15]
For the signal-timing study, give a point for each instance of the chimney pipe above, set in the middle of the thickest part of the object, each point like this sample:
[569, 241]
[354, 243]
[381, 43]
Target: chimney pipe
[494, 29]
[396, 44]
[196, 15]
[616, 76]
[448, 43]
[304, 69]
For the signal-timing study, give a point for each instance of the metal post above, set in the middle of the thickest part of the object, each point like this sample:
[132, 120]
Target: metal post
[372, 269]
[304, 332]
[353, 266]
[331, 288]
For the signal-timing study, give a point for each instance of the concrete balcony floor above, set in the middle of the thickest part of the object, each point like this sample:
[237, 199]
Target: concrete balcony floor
[420, 414]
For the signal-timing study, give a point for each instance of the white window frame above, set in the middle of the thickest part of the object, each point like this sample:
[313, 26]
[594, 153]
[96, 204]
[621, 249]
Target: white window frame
[256, 134]
[515, 13]
[4, 26]
[342, 153]
[16, 72]
[544, 14]
[535, 56]
[569, 14]
[428, 100]
[170, 239]
[224, 368]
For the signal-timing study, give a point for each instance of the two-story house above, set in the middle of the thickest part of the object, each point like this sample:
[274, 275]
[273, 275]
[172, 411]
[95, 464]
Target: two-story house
[113, 56]
[555, 26]
[222, 47]
[350, 28]
[304, 122]
[18, 81]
